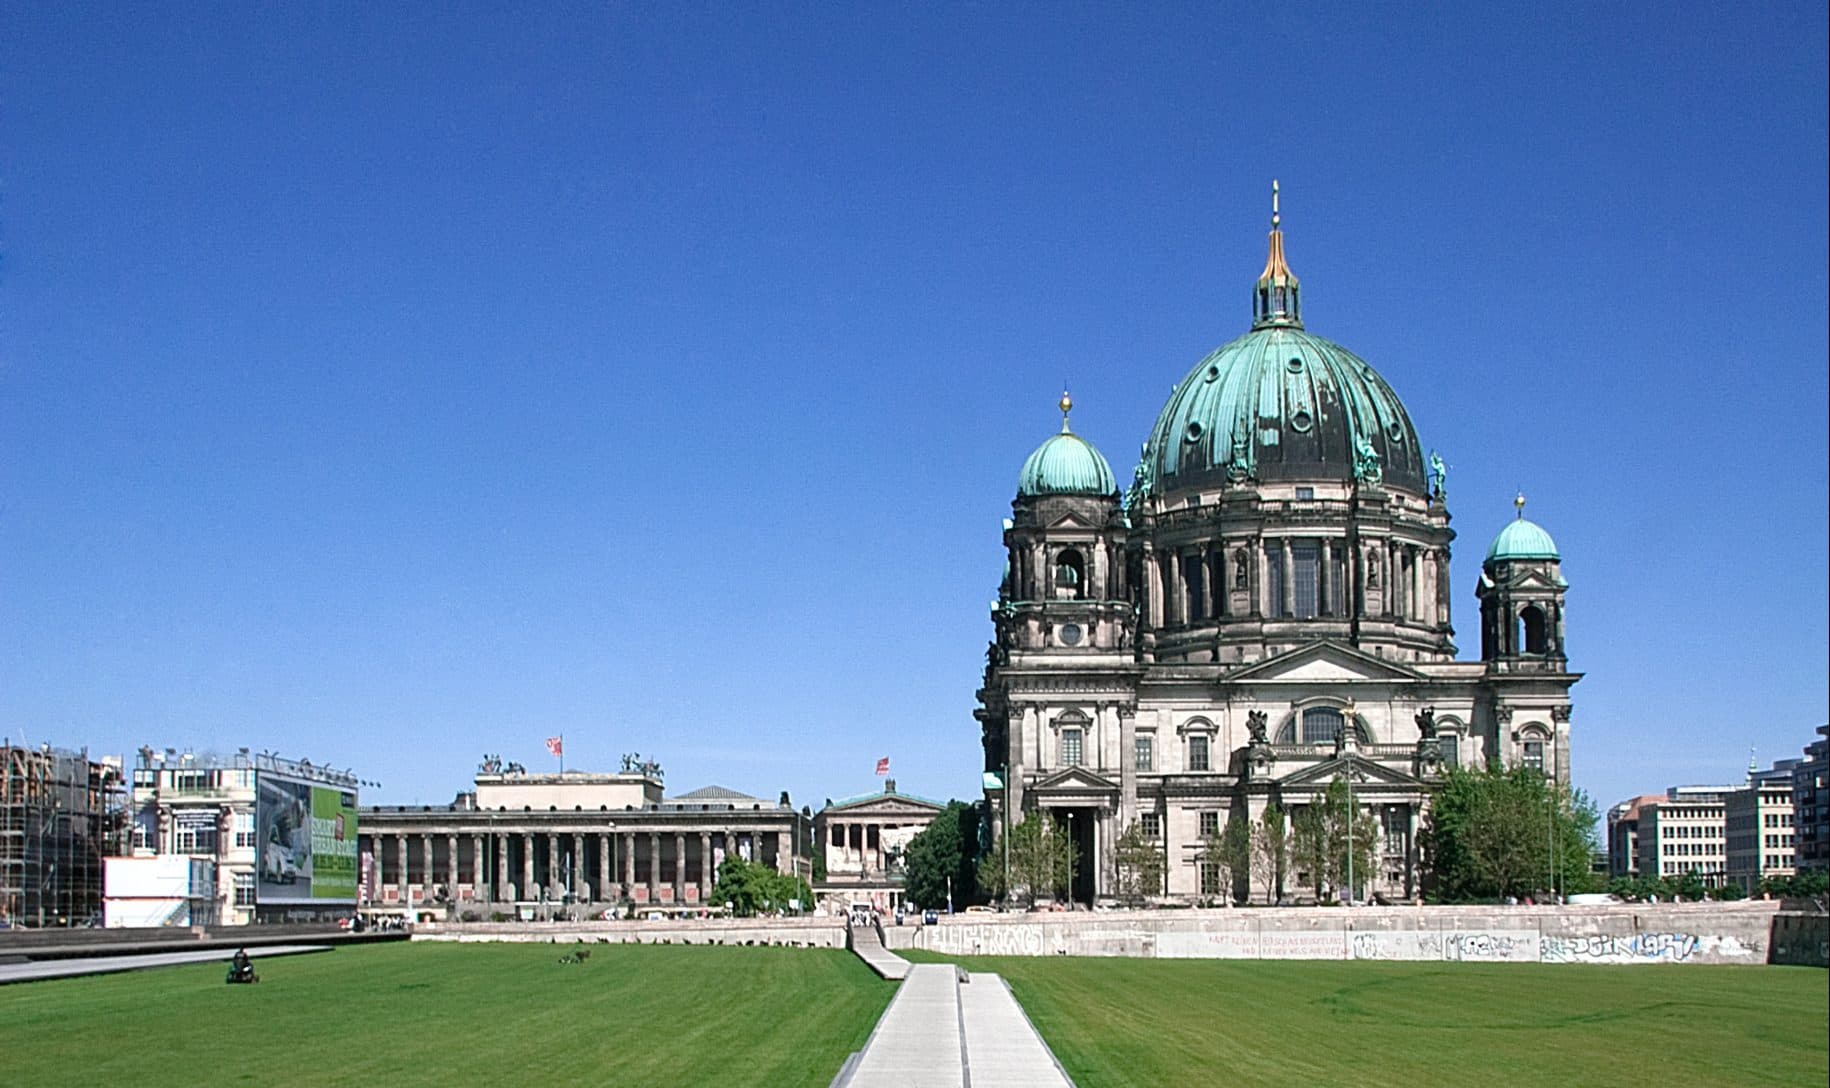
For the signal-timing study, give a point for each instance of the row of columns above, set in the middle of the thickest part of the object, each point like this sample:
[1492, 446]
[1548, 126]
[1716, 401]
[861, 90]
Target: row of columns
[1033, 570]
[615, 851]
[1192, 585]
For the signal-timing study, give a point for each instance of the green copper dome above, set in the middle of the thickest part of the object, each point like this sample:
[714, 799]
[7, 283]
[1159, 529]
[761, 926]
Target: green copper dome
[1522, 540]
[1066, 464]
[1280, 404]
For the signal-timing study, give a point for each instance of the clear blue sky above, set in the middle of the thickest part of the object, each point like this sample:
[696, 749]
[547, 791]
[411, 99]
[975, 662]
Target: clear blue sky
[391, 387]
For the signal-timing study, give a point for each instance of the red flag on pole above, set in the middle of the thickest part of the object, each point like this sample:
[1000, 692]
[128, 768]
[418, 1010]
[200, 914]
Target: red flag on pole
[883, 765]
[556, 745]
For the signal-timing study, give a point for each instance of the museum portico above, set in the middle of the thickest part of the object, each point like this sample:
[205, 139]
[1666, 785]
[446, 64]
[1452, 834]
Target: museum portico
[585, 839]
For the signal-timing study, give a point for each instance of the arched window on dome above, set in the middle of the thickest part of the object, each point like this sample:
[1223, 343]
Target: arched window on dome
[1531, 633]
[1070, 575]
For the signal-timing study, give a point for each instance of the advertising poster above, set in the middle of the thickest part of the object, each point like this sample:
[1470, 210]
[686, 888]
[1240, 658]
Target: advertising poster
[307, 836]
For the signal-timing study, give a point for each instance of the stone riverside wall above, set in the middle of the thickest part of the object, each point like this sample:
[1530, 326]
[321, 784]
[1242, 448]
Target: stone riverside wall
[790, 932]
[1801, 938]
[1626, 933]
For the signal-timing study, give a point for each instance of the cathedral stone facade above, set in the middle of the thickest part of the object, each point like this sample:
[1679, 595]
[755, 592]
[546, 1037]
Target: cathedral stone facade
[1264, 610]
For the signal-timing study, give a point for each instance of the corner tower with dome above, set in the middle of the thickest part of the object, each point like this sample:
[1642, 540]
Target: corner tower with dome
[1264, 610]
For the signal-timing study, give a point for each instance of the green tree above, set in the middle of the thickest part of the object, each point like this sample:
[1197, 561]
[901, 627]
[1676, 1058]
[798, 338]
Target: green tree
[1495, 833]
[1139, 865]
[1041, 858]
[751, 888]
[1231, 851]
[1271, 851]
[947, 849]
[1322, 835]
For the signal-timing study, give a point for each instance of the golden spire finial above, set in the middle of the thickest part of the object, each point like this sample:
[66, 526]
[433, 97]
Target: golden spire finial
[1518, 502]
[1067, 405]
[1274, 299]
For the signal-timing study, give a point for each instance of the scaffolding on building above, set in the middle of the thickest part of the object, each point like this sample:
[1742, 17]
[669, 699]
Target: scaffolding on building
[61, 813]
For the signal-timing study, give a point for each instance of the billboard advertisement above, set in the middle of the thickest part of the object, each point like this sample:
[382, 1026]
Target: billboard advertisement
[306, 833]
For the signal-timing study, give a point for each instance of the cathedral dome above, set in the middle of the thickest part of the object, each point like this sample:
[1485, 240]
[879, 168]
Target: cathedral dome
[1280, 404]
[1066, 464]
[1522, 540]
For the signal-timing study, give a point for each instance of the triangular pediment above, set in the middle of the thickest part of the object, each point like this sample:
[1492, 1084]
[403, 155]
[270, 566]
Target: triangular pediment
[1362, 769]
[1075, 780]
[886, 804]
[1326, 660]
[1537, 579]
[1071, 520]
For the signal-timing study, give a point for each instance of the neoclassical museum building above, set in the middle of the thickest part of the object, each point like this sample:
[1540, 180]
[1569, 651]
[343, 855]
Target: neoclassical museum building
[1264, 609]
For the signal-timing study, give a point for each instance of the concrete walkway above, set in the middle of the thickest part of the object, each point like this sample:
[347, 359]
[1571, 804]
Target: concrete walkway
[869, 947]
[948, 1029]
[34, 970]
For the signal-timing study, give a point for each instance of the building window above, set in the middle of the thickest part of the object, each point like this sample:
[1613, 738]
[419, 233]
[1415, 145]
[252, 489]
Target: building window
[1274, 580]
[1322, 725]
[1145, 747]
[1151, 824]
[1534, 755]
[1210, 824]
[1190, 568]
[1306, 566]
[1070, 574]
[1531, 630]
[1451, 749]
[244, 889]
[1197, 752]
[1210, 878]
[1070, 747]
[1304, 494]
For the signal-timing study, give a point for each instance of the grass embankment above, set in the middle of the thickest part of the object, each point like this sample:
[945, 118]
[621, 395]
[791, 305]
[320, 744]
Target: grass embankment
[445, 1014]
[1239, 1023]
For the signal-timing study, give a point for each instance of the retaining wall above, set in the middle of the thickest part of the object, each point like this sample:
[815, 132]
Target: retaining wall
[1666, 933]
[789, 932]
[1801, 939]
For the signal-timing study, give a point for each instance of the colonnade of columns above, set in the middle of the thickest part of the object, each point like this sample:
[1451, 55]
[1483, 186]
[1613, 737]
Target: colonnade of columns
[1196, 584]
[677, 865]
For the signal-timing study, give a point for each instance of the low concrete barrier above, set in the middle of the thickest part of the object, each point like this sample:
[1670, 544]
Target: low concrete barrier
[1801, 938]
[784, 932]
[1618, 934]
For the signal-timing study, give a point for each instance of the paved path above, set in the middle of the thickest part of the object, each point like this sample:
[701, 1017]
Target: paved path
[947, 1029]
[34, 970]
[887, 964]
[1003, 1049]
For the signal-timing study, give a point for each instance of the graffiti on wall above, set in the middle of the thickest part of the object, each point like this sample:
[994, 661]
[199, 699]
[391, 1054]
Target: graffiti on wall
[1642, 948]
[985, 940]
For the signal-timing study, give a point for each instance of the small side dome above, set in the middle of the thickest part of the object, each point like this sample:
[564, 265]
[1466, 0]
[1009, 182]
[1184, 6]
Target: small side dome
[1066, 464]
[1522, 540]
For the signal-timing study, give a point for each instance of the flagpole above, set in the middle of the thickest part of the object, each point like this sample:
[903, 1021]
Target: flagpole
[562, 753]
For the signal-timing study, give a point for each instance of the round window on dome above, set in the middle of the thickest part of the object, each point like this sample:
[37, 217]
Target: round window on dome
[1295, 364]
[1213, 373]
[1395, 432]
[1302, 420]
[1193, 433]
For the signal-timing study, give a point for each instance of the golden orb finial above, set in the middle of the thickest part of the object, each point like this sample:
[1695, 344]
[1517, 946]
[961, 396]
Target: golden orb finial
[1518, 503]
[1067, 405]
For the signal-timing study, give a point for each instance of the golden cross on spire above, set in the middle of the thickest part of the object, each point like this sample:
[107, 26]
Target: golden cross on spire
[1275, 218]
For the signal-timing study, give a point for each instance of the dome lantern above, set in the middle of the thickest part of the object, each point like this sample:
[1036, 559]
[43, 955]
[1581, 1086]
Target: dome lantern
[1276, 298]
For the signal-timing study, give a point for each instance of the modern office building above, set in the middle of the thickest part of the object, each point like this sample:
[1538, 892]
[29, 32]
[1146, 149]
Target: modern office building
[1623, 835]
[1811, 804]
[1685, 831]
[1758, 831]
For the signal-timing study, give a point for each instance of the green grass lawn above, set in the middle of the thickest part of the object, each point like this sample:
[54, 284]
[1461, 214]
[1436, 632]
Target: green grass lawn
[446, 1014]
[1237, 1023]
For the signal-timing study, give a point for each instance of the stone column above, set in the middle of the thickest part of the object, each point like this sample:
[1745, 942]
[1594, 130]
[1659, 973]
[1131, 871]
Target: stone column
[706, 874]
[679, 867]
[406, 864]
[627, 847]
[1289, 561]
[1207, 582]
[479, 878]
[451, 866]
[604, 894]
[501, 892]
[527, 865]
[1039, 572]
[1328, 602]
[1153, 589]
[654, 866]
